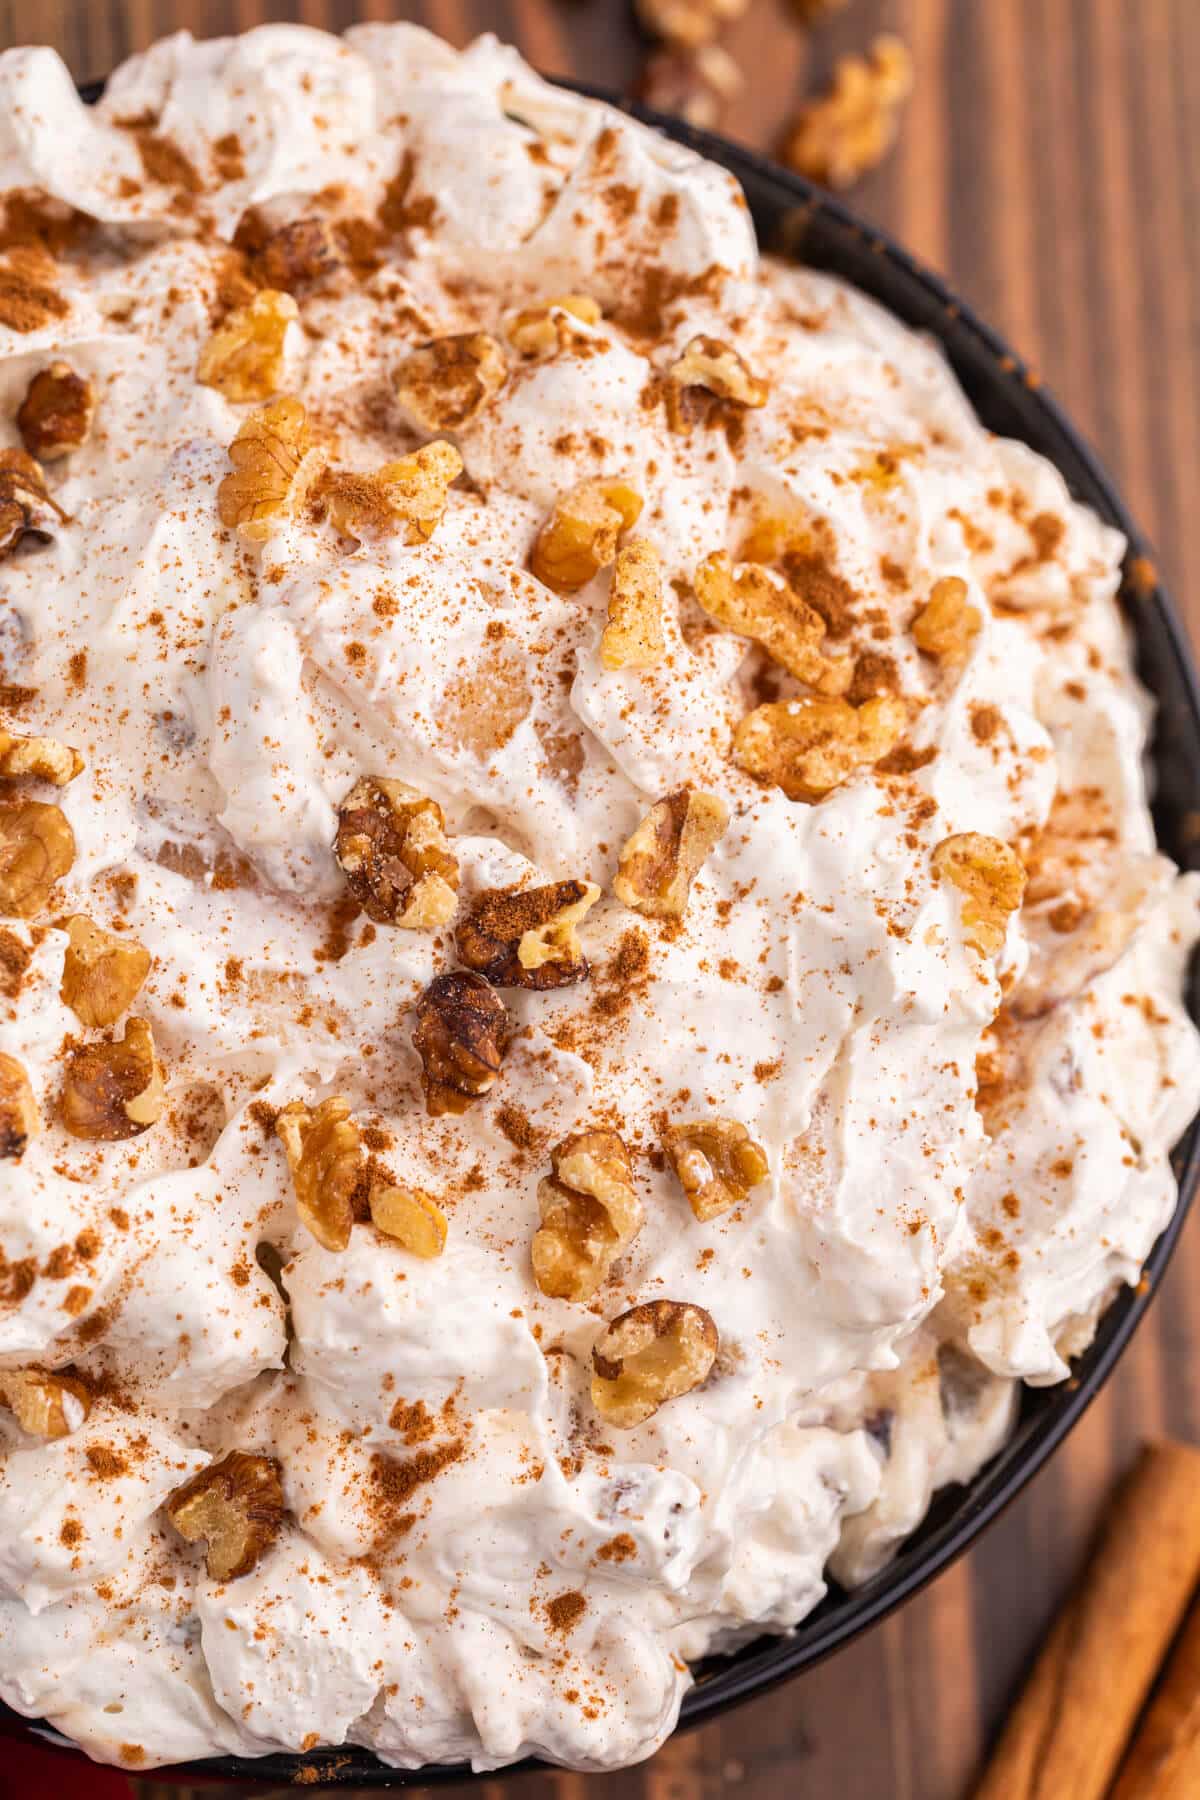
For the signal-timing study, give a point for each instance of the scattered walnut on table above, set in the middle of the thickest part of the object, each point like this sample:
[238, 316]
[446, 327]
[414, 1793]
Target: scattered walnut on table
[26, 505]
[660, 861]
[590, 1213]
[633, 637]
[37, 758]
[848, 130]
[235, 1506]
[114, 1090]
[325, 1154]
[809, 747]
[717, 1162]
[44, 1403]
[37, 848]
[411, 1216]
[688, 23]
[580, 537]
[444, 384]
[694, 85]
[412, 491]
[55, 417]
[297, 254]
[243, 359]
[947, 625]
[991, 878]
[540, 331]
[461, 1037]
[275, 469]
[19, 1120]
[758, 604]
[650, 1354]
[103, 972]
[526, 937]
[391, 847]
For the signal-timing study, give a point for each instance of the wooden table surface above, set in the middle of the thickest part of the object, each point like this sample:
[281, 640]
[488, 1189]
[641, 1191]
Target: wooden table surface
[1050, 165]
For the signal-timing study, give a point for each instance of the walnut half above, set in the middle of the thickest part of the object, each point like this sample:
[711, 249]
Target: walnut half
[633, 637]
[538, 331]
[44, 1403]
[526, 937]
[55, 417]
[113, 1091]
[19, 1119]
[652, 1353]
[391, 847]
[443, 385]
[235, 1507]
[275, 469]
[103, 972]
[946, 625]
[37, 848]
[580, 537]
[660, 861]
[325, 1154]
[758, 604]
[991, 878]
[243, 359]
[25, 501]
[413, 491]
[38, 759]
[809, 747]
[717, 1162]
[709, 363]
[460, 1036]
[411, 1216]
[590, 1212]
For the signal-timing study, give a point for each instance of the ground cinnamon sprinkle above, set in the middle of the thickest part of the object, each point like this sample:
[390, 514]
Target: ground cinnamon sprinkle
[394, 1483]
[106, 1462]
[565, 1611]
[29, 298]
[401, 209]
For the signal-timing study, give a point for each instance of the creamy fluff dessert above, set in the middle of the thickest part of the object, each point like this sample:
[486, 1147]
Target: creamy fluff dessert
[587, 986]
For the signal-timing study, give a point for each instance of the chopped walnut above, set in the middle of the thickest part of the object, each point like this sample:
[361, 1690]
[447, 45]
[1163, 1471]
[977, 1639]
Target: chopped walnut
[113, 1091]
[243, 359]
[695, 85]
[235, 1506]
[538, 331]
[991, 878]
[45, 1404]
[660, 861]
[19, 1119]
[809, 747]
[325, 1154]
[391, 847]
[526, 937]
[717, 1162]
[296, 254]
[708, 363]
[688, 23]
[460, 1036]
[410, 1216]
[37, 848]
[847, 131]
[274, 471]
[40, 758]
[103, 972]
[946, 625]
[411, 491]
[652, 1353]
[633, 637]
[55, 417]
[445, 384]
[590, 1212]
[758, 604]
[580, 536]
[25, 501]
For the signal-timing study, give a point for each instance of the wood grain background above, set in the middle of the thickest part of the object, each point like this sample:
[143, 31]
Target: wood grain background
[1050, 165]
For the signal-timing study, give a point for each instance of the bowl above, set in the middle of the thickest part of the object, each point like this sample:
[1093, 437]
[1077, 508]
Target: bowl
[800, 221]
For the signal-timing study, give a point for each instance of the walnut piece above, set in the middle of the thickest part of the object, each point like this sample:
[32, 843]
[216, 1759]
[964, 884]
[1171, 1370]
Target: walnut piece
[274, 471]
[243, 359]
[652, 1353]
[633, 637]
[526, 937]
[695, 85]
[460, 1036]
[391, 847]
[103, 972]
[39, 758]
[444, 384]
[717, 1162]
[688, 23]
[758, 604]
[410, 1216]
[37, 848]
[19, 1119]
[809, 747]
[708, 363]
[539, 331]
[113, 1091]
[45, 1404]
[946, 625]
[235, 1506]
[412, 491]
[848, 130]
[660, 861]
[25, 502]
[296, 254]
[580, 536]
[991, 878]
[325, 1154]
[590, 1212]
[55, 417]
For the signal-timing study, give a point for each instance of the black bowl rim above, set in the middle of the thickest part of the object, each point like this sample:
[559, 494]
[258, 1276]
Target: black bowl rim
[764, 1663]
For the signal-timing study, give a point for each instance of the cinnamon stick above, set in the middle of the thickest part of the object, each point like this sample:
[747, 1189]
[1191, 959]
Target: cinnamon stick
[1065, 1737]
[1164, 1763]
